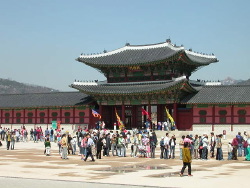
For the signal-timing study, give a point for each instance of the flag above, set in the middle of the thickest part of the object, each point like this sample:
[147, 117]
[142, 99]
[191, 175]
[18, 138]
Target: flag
[96, 114]
[120, 123]
[145, 113]
[169, 116]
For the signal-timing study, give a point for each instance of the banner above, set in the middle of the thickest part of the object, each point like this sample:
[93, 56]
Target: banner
[96, 114]
[145, 113]
[170, 117]
[120, 123]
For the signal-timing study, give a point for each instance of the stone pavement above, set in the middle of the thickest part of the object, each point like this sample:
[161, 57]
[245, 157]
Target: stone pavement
[27, 166]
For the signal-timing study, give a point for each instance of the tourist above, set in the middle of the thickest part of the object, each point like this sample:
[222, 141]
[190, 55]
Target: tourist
[229, 151]
[113, 145]
[212, 145]
[240, 144]
[186, 158]
[90, 144]
[83, 149]
[148, 150]
[181, 145]
[12, 141]
[47, 146]
[153, 142]
[8, 139]
[172, 144]
[219, 154]
[51, 134]
[235, 147]
[108, 144]
[99, 146]
[196, 146]
[31, 135]
[162, 147]
[166, 144]
[248, 148]
[135, 145]
[64, 145]
[73, 145]
[204, 141]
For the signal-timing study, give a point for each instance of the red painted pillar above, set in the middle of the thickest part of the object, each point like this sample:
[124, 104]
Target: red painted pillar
[24, 116]
[213, 117]
[175, 114]
[48, 115]
[123, 113]
[12, 119]
[36, 116]
[1, 118]
[74, 115]
[149, 112]
[232, 117]
[100, 110]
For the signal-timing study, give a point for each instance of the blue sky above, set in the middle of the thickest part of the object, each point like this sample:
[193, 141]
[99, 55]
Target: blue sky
[40, 40]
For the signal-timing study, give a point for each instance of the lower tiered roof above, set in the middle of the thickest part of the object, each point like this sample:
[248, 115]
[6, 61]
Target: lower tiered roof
[135, 88]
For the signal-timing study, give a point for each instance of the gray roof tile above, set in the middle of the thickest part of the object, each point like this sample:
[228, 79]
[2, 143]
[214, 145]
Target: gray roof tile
[127, 88]
[232, 94]
[137, 55]
[43, 99]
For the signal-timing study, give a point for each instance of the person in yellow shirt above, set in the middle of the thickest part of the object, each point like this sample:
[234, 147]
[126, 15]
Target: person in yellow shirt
[187, 159]
[64, 145]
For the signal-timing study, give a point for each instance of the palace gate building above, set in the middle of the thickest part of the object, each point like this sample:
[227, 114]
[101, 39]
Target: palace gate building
[152, 77]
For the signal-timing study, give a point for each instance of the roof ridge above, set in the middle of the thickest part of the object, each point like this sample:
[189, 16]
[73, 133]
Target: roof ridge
[39, 93]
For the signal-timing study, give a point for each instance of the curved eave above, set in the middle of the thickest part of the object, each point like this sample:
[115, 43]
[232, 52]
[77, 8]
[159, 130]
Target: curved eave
[125, 89]
[143, 55]
[200, 59]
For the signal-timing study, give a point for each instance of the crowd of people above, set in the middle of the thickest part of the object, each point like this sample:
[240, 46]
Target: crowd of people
[141, 143]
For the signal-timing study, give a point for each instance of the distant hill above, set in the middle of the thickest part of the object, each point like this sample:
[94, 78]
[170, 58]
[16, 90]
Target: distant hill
[230, 81]
[8, 86]
[245, 82]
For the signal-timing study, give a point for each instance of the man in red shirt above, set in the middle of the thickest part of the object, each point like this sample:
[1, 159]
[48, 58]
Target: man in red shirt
[235, 147]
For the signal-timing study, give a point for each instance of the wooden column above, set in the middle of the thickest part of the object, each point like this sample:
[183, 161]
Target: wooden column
[12, 118]
[1, 118]
[232, 117]
[48, 115]
[74, 115]
[100, 110]
[149, 112]
[123, 113]
[175, 113]
[213, 117]
[36, 116]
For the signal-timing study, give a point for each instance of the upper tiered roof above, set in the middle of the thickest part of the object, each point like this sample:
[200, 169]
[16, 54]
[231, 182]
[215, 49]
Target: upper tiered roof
[130, 55]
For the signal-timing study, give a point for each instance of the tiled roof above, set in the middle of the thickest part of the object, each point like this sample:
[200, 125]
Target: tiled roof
[137, 55]
[43, 99]
[128, 88]
[232, 94]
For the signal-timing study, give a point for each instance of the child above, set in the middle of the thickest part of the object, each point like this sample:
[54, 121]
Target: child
[148, 149]
[229, 150]
[186, 157]
[47, 147]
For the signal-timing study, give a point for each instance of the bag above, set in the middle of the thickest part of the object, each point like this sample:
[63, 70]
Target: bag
[1, 143]
[245, 144]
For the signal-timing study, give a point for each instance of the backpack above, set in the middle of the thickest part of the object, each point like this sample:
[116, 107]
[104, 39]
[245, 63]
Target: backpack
[201, 143]
[162, 143]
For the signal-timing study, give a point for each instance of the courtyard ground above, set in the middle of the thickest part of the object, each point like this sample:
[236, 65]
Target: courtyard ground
[20, 167]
